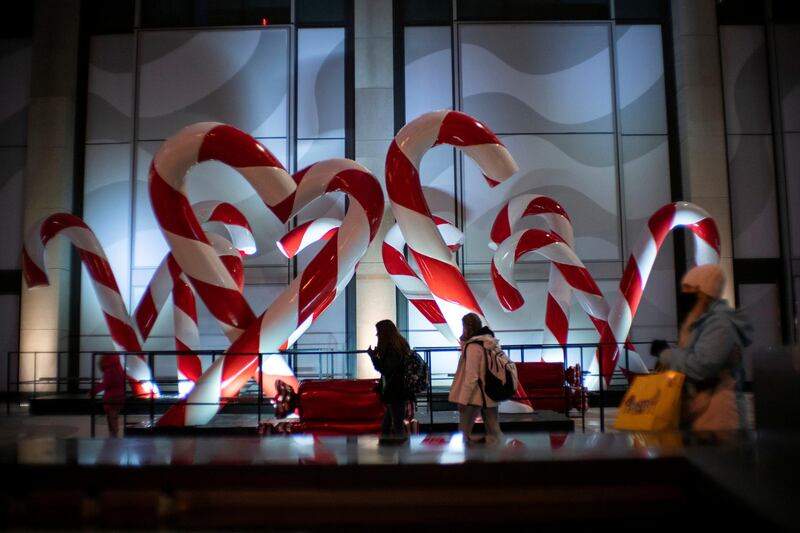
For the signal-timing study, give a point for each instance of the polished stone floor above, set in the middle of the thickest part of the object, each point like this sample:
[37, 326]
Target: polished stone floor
[361, 450]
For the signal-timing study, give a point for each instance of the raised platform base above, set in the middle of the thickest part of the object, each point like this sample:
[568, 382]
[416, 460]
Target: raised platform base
[572, 482]
[443, 422]
[83, 404]
[447, 422]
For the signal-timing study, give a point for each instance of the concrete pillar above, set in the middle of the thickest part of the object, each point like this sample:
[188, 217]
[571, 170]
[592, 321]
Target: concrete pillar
[44, 313]
[374, 110]
[701, 125]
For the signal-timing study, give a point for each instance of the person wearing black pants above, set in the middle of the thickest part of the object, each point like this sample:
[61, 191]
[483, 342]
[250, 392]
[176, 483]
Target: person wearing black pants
[387, 358]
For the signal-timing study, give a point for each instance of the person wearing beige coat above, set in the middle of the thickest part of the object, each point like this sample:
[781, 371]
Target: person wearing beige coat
[467, 388]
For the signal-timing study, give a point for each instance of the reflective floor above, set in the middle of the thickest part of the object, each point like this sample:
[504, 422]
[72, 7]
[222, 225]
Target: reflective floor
[362, 450]
[427, 481]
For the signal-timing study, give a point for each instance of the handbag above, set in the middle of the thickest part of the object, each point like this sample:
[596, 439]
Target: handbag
[715, 409]
[652, 403]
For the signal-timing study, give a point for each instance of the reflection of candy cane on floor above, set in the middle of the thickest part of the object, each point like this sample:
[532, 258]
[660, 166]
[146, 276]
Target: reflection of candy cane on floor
[614, 323]
[120, 325]
[439, 270]
[409, 283]
[559, 293]
[305, 298]
[435, 260]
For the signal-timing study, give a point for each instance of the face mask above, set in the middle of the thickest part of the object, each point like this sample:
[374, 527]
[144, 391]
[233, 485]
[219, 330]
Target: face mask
[691, 299]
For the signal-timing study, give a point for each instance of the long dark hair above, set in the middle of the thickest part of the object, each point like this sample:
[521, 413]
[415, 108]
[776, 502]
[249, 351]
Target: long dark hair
[389, 339]
[471, 323]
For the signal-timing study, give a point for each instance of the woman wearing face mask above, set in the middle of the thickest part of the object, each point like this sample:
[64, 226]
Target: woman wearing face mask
[709, 353]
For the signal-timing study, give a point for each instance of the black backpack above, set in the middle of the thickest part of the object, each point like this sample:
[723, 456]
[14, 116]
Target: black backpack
[496, 389]
[415, 374]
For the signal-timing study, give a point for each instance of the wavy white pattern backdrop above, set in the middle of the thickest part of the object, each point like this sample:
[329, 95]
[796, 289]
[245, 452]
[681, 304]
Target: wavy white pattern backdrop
[240, 77]
[552, 104]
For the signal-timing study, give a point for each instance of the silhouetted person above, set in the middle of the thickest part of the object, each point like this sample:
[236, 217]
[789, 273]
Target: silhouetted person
[387, 358]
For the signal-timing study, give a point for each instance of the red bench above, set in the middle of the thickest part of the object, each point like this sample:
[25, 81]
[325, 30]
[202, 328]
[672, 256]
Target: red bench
[334, 407]
[549, 386]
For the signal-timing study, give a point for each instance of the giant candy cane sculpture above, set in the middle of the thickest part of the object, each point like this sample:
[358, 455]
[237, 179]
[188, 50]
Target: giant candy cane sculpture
[559, 292]
[305, 298]
[120, 325]
[643, 257]
[403, 276]
[435, 260]
[408, 282]
[417, 224]
[614, 323]
[563, 257]
[168, 278]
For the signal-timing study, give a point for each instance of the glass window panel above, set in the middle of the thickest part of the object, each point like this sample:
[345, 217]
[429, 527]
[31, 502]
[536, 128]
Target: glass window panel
[538, 10]
[745, 79]
[328, 332]
[753, 204]
[787, 40]
[107, 210]
[110, 86]
[12, 186]
[578, 171]
[640, 75]
[645, 179]
[428, 58]
[15, 86]
[558, 82]
[310, 151]
[320, 83]
[238, 77]
[791, 143]
[762, 304]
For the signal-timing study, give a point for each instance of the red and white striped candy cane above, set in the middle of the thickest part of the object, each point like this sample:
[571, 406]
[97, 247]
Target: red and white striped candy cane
[408, 282]
[563, 257]
[394, 260]
[306, 297]
[438, 268]
[168, 277]
[559, 292]
[618, 320]
[187, 335]
[120, 326]
[234, 221]
[306, 234]
[187, 332]
[640, 264]
[188, 242]
[161, 284]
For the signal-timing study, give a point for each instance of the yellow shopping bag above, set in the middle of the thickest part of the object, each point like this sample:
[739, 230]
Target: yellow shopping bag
[652, 403]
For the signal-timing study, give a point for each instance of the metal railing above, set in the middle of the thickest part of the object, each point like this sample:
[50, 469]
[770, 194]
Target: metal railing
[87, 384]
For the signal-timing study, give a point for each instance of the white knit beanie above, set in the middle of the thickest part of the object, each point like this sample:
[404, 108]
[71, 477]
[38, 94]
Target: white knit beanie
[708, 279]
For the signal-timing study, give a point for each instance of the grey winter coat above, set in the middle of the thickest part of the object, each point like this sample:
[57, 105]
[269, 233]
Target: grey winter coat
[715, 345]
